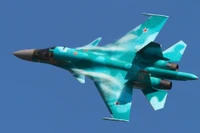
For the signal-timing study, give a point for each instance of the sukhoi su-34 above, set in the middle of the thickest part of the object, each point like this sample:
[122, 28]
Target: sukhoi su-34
[135, 61]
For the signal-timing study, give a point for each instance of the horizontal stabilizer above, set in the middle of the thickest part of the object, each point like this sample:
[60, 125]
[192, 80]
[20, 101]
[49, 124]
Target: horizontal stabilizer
[152, 49]
[175, 52]
[156, 98]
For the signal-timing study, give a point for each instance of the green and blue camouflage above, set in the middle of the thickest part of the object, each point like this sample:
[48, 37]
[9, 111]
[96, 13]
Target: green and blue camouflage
[134, 61]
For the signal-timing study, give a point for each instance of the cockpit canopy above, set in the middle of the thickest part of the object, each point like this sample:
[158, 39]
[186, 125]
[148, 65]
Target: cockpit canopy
[43, 54]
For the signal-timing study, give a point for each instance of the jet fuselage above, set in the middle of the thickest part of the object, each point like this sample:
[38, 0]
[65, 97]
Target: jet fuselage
[71, 58]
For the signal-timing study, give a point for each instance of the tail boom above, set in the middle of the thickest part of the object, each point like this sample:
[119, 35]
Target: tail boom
[168, 74]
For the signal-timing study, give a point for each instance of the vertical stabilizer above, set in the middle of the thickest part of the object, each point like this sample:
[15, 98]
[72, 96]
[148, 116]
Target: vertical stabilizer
[156, 98]
[175, 52]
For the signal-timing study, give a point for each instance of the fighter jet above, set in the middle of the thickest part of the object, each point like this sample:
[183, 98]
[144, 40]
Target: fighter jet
[135, 61]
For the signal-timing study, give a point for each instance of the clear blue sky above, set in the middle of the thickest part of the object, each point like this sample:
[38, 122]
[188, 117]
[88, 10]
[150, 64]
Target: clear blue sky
[38, 98]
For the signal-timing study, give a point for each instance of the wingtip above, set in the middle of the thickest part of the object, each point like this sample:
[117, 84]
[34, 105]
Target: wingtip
[115, 119]
[182, 42]
[151, 14]
[99, 38]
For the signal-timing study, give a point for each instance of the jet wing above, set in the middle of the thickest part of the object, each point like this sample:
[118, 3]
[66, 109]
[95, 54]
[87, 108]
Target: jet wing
[142, 34]
[113, 88]
[117, 97]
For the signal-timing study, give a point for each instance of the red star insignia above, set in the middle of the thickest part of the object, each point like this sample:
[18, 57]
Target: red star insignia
[145, 30]
[117, 103]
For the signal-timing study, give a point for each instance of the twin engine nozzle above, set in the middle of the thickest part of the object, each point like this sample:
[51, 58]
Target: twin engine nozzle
[166, 65]
[153, 82]
[161, 83]
[172, 66]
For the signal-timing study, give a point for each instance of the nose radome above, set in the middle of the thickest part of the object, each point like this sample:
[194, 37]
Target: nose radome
[25, 54]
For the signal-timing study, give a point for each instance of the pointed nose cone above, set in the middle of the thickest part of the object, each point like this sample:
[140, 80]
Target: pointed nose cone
[25, 54]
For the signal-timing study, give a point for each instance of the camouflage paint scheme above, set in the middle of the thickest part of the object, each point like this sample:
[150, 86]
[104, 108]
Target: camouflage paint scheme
[133, 61]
